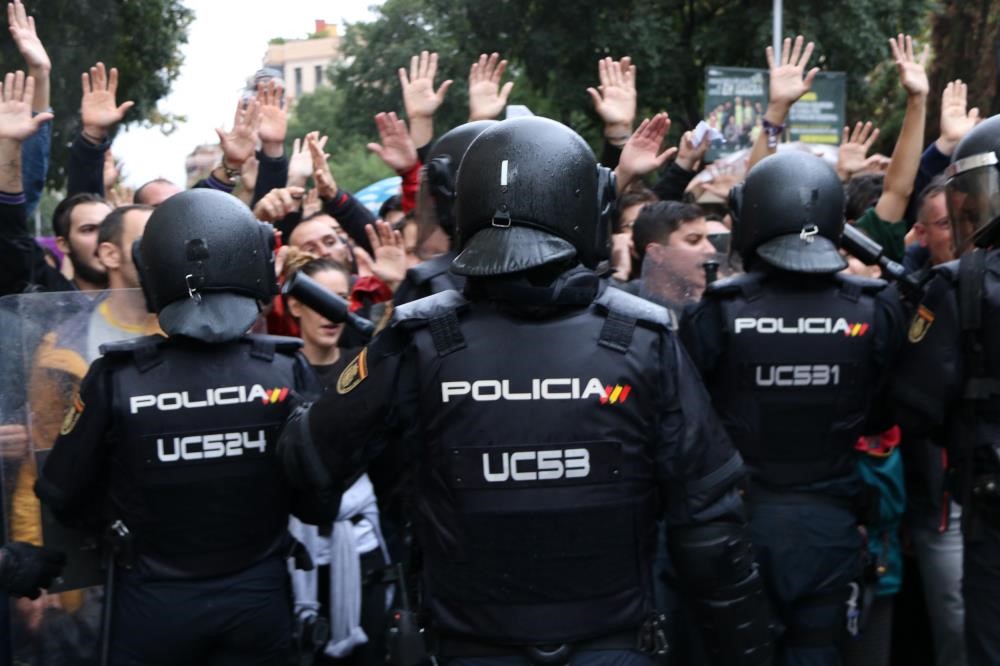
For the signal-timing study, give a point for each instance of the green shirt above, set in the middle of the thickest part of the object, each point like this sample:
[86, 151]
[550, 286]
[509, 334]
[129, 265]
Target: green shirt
[889, 235]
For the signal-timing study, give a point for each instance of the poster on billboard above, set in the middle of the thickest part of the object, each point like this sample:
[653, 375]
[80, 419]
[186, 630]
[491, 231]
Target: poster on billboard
[736, 98]
[819, 115]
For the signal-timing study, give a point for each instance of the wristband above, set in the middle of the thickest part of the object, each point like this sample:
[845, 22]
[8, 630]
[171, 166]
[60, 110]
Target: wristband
[231, 174]
[773, 132]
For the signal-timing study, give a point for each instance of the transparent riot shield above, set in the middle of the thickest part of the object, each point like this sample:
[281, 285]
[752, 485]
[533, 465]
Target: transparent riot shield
[676, 276]
[50, 340]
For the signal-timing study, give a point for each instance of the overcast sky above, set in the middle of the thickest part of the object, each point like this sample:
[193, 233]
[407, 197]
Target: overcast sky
[226, 44]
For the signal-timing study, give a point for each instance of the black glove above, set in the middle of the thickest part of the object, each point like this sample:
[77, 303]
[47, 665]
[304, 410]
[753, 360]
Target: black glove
[26, 569]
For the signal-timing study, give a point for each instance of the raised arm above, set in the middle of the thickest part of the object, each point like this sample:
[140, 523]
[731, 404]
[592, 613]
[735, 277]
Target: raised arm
[615, 102]
[16, 125]
[641, 153]
[420, 100]
[486, 98]
[788, 82]
[906, 156]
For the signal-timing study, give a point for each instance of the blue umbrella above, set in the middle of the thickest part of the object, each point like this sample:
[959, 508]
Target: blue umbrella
[375, 194]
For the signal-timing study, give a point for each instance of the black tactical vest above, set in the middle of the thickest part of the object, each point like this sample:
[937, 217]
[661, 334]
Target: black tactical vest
[796, 381]
[535, 481]
[193, 475]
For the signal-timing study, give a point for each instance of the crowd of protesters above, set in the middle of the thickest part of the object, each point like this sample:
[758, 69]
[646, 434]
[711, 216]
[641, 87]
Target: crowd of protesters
[667, 228]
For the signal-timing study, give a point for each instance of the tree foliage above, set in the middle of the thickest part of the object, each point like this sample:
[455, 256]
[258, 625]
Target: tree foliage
[553, 48]
[965, 36]
[142, 38]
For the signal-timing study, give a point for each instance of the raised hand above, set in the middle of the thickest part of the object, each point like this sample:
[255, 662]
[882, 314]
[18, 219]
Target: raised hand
[486, 98]
[854, 147]
[22, 29]
[419, 97]
[300, 165]
[955, 120]
[98, 110]
[239, 143]
[787, 82]
[640, 155]
[278, 203]
[389, 264]
[689, 156]
[912, 74]
[397, 149]
[16, 122]
[326, 186]
[615, 97]
[273, 118]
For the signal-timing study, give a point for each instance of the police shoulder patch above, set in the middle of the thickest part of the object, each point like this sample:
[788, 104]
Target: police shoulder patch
[921, 323]
[72, 415]
[353, 374]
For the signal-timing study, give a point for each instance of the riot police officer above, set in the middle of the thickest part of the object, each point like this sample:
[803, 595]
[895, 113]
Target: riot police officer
[950, 374]
[550, 420]
[794, 355]
[26, 569]
[435, 202]
[171, 438]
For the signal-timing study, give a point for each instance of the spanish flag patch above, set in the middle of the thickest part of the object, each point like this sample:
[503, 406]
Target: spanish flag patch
[72, 415]
[353, 374]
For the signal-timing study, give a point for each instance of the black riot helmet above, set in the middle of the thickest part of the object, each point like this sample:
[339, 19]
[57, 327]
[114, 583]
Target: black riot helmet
[206, 264]
[973, 187]
[789, 213]
[530, 192]
[437, 183]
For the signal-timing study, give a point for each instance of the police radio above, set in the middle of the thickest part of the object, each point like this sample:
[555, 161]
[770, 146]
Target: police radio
[405, 638]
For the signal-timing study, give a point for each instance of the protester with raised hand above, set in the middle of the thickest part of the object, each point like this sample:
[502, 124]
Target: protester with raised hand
[956, 121]
[788, 82]
[420, 100]
[22, 258]
[615, 102]
[337, 203]
[486, 98]
[882, 222]
[238, 146]
[675, 179]
[852, 157]
[273, 169]
[641, 155]
[397, 149]
[99, 114]
[36, 149]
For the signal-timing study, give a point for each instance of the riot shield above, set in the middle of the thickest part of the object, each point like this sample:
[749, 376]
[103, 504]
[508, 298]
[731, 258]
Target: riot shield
[50, 340]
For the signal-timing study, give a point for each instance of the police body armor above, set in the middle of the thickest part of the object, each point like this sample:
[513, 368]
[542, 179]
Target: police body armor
[796, 382]
[429, 277]
[972, 301]
[537, 496]
[193, 475]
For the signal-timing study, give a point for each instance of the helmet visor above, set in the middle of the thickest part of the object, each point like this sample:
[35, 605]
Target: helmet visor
[973, 195]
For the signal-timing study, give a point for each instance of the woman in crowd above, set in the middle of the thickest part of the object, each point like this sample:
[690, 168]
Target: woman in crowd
[350, 554]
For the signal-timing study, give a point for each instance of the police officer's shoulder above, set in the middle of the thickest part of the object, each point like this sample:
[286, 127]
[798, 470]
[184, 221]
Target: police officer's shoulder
[121, 349]
[867, 285]
[735, 284]
[417, 313]
[425, 270]
[143, 351]
[612, 299]
[281, 344]
[947, 271]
